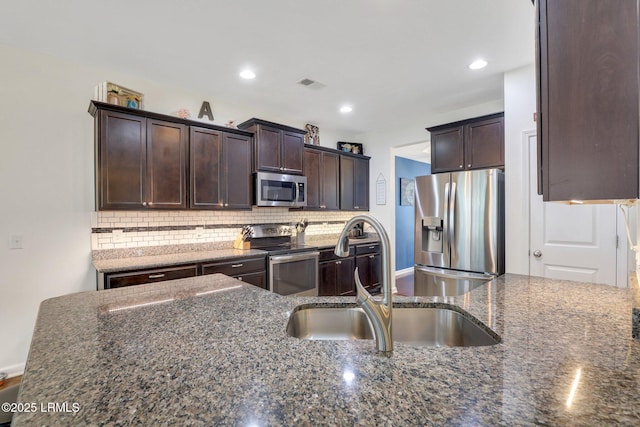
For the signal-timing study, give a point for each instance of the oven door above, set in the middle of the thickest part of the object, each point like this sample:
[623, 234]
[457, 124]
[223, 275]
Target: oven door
[294, 274]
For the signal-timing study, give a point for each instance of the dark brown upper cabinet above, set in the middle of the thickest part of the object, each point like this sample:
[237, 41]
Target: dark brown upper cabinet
[476, 143]
[354, 182]
[587, 87]
[140, 162]
[146, 160]
[322, 169]
[278, 148]
[220, 167]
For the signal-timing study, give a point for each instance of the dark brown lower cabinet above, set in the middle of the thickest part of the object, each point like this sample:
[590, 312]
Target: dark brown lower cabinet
[336, 275]
[369, 263]
[252, 270]
[141, 277]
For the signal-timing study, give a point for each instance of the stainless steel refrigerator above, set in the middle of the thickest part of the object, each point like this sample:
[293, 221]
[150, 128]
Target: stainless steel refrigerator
[459, 224]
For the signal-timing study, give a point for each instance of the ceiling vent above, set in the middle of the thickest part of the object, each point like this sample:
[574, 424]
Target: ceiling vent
[312, 84]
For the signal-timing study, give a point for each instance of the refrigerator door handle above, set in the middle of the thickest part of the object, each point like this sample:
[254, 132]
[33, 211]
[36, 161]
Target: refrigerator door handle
[452, 218]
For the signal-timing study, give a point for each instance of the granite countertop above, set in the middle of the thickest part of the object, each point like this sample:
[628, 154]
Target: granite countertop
[116, 264]
[214, 351]
[113, 261]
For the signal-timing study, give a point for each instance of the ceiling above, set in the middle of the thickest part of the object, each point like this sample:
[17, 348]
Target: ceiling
[392, 60]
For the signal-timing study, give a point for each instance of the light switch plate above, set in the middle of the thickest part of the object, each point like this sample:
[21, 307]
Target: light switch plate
[16, 241]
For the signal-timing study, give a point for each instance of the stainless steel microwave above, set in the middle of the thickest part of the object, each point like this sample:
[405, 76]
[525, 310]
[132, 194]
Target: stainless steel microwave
[276, 189]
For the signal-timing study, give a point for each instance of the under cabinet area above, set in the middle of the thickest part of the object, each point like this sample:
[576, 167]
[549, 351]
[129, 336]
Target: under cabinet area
[588, 99]
[250, 269]
[469, 144]
[278, 148]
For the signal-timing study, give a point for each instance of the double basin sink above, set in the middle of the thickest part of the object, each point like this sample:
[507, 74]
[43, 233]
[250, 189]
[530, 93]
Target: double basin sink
[416, 326]
[413, 325]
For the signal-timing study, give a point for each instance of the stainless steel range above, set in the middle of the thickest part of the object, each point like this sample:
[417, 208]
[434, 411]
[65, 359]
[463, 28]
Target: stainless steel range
[292, 269]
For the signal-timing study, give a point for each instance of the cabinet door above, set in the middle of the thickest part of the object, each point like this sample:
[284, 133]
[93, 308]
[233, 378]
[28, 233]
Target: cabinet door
[118, 280]
[447, 150]
[166, 164]
[258, 279]
[588, 99]
[327, 274]
[312, 171]
[268, 148]
[238, 188]
[336, 277]
[292, 152]
[347, 183]
[205, 159]
[121, 162]
[484, 144]
[330, 182]
[345, 282]
[361, 185]
[369, 269]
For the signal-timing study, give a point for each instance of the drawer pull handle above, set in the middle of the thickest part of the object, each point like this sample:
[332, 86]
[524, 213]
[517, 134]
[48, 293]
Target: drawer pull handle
[371, 256]
[338, 262]
[156, 276]
[371, 247]
[236, 265]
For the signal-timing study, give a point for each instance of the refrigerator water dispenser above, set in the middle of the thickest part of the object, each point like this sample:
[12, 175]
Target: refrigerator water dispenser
[432, 234]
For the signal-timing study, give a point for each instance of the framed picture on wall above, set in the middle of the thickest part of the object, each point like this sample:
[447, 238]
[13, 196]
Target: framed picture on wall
[407, 189]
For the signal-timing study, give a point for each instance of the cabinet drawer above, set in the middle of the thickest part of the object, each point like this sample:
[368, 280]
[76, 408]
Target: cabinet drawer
[329, 254]
[236, 267]
[141, 277]
[368, 249]
[258, 279]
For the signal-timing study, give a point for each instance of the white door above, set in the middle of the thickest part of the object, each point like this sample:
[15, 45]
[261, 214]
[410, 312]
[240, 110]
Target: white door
[573, 242]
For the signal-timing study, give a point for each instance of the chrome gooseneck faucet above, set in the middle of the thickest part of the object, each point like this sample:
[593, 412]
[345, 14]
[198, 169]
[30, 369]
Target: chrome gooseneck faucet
[379, 313]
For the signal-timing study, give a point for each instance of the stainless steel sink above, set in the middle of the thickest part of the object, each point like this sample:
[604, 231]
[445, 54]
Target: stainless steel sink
[428, 281]
[418, 326]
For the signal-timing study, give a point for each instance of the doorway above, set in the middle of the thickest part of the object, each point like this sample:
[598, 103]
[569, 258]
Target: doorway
[578, 242]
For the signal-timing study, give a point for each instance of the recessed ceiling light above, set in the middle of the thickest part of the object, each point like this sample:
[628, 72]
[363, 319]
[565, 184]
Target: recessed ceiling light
[247, 74]
[346, 109]
[478, 64]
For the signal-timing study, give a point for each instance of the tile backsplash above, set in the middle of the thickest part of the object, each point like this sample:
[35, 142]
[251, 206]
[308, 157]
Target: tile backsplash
[126, 229]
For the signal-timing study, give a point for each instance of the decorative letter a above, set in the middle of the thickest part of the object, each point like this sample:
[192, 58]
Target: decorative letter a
[205, 110]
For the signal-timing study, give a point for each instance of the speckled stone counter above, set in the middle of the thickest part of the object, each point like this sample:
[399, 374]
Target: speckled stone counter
[130, 259]
[214, 351]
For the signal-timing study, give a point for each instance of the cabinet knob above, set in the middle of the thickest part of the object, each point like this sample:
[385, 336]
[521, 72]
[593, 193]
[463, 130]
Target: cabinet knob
[144, 203]
[356, 207]
[371, 256]
[460, 166]
[338, 262]
[226, 204]
[469, 165]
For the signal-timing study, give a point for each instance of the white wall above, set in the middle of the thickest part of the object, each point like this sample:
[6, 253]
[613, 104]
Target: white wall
[519, 106]
[47, 176]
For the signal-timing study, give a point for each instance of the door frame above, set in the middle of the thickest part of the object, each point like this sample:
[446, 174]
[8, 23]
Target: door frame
[529, 137]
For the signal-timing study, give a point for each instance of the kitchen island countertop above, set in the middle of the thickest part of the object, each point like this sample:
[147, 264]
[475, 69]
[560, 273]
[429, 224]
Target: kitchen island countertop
[214, 351]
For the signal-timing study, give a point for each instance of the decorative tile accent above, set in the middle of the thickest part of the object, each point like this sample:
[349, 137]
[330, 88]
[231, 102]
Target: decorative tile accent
[158, 228]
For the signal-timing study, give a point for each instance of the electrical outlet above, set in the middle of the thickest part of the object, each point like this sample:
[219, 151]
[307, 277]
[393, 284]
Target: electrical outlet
[199, 231]
[117, 236]
[16, 241]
